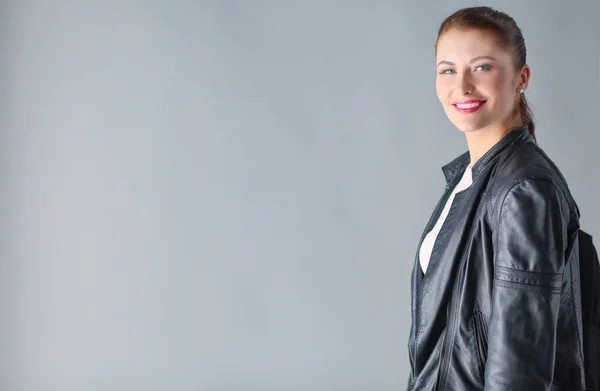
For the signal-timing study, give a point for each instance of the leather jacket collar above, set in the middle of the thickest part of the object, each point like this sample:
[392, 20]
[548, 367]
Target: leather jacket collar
[458, 165]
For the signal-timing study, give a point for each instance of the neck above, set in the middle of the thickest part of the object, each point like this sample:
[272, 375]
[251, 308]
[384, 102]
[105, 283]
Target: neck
[482, 140]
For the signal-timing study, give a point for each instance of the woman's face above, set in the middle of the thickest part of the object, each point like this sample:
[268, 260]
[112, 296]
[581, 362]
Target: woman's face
[476, 82]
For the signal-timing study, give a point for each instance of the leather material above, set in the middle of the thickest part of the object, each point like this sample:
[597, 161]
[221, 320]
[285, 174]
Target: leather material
[499, 307]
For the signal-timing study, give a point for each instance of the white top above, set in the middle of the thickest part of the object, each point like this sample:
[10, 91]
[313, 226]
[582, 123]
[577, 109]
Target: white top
[429, 241]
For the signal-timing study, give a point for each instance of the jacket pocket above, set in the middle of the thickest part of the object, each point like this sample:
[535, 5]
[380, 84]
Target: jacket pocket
[481, 337]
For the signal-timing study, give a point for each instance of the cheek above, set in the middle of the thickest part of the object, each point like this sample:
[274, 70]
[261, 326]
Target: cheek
[442, 89]
[501, 86]
[506, 96]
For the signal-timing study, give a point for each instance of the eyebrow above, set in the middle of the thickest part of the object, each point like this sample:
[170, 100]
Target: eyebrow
[470, 62]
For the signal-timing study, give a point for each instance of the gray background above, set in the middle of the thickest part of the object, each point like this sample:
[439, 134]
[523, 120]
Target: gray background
[228, 195]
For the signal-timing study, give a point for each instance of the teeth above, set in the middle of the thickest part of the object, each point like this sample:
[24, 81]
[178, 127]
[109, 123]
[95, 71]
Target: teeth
[467, 106]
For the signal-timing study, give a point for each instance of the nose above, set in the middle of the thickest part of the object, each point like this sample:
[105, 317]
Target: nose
[464, 83]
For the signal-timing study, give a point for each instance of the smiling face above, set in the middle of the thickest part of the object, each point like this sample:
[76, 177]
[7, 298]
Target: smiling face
[477, 81]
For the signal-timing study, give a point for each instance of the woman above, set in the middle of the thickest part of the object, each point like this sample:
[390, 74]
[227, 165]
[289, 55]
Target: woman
[495, 295]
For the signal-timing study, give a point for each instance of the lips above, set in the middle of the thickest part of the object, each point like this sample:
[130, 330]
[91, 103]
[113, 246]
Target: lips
[469, 106]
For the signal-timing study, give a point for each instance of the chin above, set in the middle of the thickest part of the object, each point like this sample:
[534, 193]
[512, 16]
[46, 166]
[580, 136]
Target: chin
[467, 128]
[469, 125]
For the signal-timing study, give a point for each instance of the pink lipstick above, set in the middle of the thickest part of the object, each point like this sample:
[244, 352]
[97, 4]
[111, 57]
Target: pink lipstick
[468, 106]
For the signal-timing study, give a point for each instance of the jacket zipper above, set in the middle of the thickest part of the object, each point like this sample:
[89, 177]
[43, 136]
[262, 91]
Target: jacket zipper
[412, 375]
[481, 334]
[453, 314]
[434, 216]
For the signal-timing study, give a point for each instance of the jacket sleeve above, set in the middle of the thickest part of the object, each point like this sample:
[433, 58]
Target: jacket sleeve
[529, 246]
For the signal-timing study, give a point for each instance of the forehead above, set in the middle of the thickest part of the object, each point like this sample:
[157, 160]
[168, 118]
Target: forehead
[460, 44]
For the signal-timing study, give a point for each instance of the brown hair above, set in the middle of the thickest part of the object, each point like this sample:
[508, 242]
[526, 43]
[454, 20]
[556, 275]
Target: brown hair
[509, 35]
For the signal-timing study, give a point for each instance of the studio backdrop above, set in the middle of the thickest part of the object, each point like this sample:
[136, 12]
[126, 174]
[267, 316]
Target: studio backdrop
[228, 195]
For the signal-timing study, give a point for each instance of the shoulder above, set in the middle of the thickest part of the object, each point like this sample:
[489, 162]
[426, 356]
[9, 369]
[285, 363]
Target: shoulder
[527, 174]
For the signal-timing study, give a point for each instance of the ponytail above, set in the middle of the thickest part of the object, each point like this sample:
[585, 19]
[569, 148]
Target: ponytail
[527, 115]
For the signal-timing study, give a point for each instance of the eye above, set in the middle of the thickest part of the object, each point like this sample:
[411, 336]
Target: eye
[485, 67]
[447, 71]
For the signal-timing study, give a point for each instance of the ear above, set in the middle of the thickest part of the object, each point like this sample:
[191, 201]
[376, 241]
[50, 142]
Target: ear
[524, 76]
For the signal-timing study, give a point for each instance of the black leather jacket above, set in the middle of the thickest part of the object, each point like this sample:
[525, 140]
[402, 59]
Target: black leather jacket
[499, 307]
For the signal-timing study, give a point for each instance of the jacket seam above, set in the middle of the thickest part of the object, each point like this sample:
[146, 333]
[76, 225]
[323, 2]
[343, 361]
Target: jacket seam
[525, 273]
[526, 287]
[576, 318]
